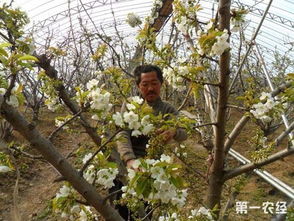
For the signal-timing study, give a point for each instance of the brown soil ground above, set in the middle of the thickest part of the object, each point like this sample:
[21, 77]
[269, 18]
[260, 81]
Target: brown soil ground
[36, 186]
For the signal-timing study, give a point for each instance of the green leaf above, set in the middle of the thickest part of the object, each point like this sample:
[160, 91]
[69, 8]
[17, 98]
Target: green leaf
[3, 61]
[5, 45]
[177, 181]
[28, 58]
[3, 52]
[144, 186]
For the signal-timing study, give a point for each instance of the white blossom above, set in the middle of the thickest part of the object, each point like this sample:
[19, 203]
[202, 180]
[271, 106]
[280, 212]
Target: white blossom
[265, 96]
[2, 91]
[157, 3]
[4, 169]
[118, 119]
[59, 123]
[13, 101]
[147, 129]
[221, 44]
[262, 109]
[163, 189]
[136, 164]
[132, 119]
[75, 209]
[64, 191]
[92, 84]
[202, 210]
[133, 20]
[89, 174]
[52, 103]
[64, 215]
[209, 25]
[100, 101]
[87, 157]
[138, 99]
[136, 133]
[175, 80]
[95, 117]
[130, 107]
[105, 177]
[83, 216]
[165, 158]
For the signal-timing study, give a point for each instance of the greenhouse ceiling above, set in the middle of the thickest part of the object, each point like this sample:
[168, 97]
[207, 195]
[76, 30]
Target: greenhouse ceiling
[57, 17]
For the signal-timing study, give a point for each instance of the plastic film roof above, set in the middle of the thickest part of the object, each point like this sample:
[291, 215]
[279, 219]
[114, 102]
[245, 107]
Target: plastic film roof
[58, 16]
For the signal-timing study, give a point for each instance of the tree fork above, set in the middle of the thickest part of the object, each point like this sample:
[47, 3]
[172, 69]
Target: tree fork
[217, 169]
[48, 151]
[51, 72]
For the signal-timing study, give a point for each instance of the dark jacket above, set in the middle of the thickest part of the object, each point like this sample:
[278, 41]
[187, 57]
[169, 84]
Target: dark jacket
[133, 147]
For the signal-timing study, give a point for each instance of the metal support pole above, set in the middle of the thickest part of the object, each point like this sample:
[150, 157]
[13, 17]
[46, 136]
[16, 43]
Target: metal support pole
[250, 46]
[287, 190]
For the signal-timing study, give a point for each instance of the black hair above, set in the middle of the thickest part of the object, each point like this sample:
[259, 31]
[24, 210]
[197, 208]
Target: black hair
[145, 69]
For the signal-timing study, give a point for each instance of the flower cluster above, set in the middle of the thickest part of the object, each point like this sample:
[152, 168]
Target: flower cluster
[5, 164]
[174, 76]
[131, 120]
[212, 41]
[221, 44]
[133, 20]
[185, 15]
[263, 147]
[79, 212]
[62, 204]
[4, 169]
[64, 191]
[160, 179]
[237, 19]
[52, 103]
[181, 151]
[157, 4]
[98, 98]
[100, 171]
[169, 217]
[12, 100]
[268, 108]
[201, 214]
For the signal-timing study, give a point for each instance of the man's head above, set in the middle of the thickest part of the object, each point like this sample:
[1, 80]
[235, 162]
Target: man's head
[149, 80]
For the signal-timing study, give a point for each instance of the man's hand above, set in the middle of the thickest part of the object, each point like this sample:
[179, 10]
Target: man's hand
[167, 135]
[130, 164]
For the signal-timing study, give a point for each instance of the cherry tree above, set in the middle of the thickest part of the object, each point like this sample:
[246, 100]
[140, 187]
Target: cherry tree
[202, 74]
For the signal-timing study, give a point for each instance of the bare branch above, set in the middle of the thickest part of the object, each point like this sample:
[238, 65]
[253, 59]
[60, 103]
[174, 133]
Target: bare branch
[185, 100]
[27, 154]
[97, 151]
[285, 133]
[51, 136]
[235, 133]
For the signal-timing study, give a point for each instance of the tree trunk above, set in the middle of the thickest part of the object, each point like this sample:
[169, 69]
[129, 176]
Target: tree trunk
[217, 169]
[46, 148]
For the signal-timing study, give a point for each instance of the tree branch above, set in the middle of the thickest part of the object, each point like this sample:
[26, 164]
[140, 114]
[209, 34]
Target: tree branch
[97, 151]
[251, 166]
[235, 133]
[51, 72]
[50, 137]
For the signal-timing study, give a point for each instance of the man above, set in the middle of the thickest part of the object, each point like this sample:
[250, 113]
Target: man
[149, 80]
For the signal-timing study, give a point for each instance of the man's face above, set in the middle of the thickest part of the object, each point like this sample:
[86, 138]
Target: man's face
[149, 86]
